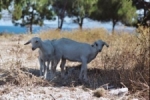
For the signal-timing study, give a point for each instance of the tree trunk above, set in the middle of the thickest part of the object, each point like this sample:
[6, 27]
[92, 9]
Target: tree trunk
[61, 23]
[145, 12]
[31, 22]
[113, 26]
[58, 22]
[61, 16]
[30, 28]
[81, 23]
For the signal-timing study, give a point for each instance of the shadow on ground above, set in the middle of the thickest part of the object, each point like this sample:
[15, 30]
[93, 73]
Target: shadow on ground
[97, 77]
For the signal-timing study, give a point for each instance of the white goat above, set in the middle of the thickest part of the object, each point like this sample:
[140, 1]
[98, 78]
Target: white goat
[46, 53]
[76, 51]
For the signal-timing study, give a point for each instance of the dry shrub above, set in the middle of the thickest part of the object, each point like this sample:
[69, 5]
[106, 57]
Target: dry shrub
[22, 78]
[126, 60]
[100, 92]
[5, 35]
[16, 74]
[131, 58]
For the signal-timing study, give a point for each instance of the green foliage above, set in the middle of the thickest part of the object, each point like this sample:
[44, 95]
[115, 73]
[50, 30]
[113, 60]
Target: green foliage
[78, 8]
[127, 12]
[17, 13]
[60, 8]
[145, 5]
[81, 9]
[32, 12]
[115, 11]
[4, 4]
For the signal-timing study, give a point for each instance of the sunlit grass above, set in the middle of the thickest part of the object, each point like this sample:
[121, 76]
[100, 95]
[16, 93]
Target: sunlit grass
[78, 35]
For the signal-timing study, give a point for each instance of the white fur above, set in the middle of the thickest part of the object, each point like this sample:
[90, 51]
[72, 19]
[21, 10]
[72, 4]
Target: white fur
[46, 53]
[67, 49]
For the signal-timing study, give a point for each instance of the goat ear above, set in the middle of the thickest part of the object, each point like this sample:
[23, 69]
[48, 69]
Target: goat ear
[27, 42]
[94, 44]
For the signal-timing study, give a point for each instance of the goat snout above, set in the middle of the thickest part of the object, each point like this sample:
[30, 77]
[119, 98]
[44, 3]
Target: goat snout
[107, 45]
[33, 48]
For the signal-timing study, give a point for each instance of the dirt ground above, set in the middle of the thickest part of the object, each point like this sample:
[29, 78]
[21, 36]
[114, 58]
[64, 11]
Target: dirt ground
[19, 78]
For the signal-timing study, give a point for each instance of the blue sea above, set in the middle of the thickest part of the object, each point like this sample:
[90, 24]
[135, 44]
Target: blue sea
[66, 27]
[18, 29]
[36, 29]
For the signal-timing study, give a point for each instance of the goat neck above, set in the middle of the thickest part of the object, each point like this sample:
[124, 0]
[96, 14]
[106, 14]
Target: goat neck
[95, 51]
[93, 54]
[42, 47]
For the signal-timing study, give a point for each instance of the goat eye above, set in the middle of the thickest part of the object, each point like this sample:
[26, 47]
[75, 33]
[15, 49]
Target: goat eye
[36, 41]
[96, 44]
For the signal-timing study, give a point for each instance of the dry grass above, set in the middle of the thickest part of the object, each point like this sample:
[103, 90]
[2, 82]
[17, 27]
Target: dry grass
[12, 71]
[126, 61]
[81, 36]
[100, 92]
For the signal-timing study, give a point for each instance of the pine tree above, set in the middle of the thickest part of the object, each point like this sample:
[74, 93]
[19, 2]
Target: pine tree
[60, 7]
[32, 13]
[115, 11]
[81, 9]
[143, 19]
[4, 4]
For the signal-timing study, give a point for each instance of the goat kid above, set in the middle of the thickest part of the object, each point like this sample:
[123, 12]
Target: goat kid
[46, 53]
